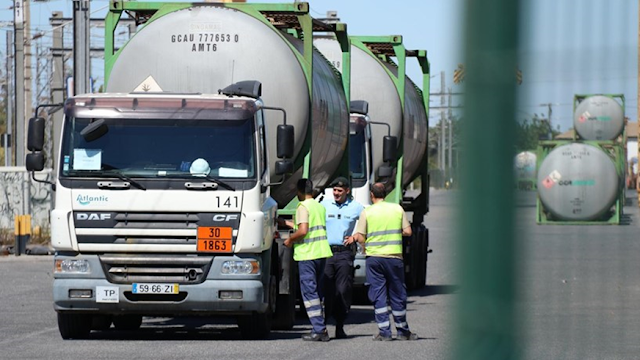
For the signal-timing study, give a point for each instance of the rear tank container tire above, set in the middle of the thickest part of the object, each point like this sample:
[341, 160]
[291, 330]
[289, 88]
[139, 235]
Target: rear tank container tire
[74, 326]
[410, 262]
[127, 322]
[422, 278]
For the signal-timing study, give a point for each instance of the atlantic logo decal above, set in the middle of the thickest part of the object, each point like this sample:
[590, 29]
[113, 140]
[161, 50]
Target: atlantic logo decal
[86, 199]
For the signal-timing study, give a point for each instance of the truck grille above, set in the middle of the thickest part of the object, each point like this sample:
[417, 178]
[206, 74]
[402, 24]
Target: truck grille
[143, 228]
[153, 268]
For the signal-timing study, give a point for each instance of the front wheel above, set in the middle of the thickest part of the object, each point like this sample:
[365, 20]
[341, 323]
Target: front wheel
[127, 322]
[257, 326]
[74, 326]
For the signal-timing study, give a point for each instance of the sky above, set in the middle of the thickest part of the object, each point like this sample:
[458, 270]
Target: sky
[566, 47]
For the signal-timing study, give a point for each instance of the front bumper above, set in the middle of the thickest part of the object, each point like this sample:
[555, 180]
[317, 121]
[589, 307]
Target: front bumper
[198, 299]
[112, 294]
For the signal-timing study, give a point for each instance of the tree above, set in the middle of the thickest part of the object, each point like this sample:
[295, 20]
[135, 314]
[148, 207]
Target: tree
[530, 131]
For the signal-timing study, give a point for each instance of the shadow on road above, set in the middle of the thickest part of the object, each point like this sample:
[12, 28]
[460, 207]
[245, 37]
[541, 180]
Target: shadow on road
[435, 290]
[181, 328]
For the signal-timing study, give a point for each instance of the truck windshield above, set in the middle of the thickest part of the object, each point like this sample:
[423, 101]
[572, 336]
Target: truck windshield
[161, 148]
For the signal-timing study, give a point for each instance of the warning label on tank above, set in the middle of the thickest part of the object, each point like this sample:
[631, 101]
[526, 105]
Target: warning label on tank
[205, 41]
[586, 116]
[551, 179]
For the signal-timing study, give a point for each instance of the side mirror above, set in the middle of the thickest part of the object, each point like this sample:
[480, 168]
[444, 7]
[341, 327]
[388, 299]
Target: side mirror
[285, 141]
[35, 137]
[35, 161]
[284, 167]
[359, 107]
[385, 171]
[95, 130]
[389, 148]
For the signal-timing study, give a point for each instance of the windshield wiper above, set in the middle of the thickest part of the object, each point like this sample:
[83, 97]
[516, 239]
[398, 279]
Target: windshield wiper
[205, 186]
[120, 176]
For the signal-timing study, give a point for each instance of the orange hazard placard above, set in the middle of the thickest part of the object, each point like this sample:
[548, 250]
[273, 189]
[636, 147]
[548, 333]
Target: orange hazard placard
[214, 239]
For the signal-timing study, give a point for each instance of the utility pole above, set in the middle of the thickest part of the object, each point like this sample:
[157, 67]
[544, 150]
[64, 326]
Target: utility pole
[8, 137]
[18, 21]
[549, 112]
[28, 78]
[57, 81]
[442, 124]
[450, 116]
[81, 59]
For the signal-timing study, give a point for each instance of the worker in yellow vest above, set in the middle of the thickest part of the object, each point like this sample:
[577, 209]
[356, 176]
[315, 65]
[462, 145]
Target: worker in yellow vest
[380, 230]
[311, 250]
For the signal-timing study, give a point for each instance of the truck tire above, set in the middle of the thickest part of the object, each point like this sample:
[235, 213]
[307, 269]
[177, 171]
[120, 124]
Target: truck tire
[420, 248]
[409, 255]
[257, 326]
[285, 315]
[74, 326]
[127, 322]
[101, 322]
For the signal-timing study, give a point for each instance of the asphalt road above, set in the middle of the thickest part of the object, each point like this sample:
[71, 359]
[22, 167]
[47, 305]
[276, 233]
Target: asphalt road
[28, 326]
[578, 299]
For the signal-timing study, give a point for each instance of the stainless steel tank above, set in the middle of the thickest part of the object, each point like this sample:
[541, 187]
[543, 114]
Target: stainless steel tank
[577, 182]
[415, 128]
[525, 165]
[369, 82]
[206, 48]
[598, 117]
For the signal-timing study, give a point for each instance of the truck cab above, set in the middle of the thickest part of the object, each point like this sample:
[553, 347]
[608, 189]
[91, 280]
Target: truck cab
[162, 206]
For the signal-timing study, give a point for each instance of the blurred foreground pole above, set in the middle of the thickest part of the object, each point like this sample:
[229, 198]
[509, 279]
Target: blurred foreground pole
[485, 318]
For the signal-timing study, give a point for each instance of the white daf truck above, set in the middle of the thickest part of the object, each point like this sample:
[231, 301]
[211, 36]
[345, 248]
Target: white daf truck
[169, 183]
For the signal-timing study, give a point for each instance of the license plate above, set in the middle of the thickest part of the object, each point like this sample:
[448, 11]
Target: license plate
[153, 288]
[214, 239]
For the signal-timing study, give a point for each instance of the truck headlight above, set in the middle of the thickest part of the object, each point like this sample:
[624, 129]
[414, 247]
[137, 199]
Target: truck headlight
[77, 266]
[241, 267]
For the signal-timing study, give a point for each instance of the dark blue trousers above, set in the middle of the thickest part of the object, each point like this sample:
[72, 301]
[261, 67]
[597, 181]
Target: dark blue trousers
[311, 278]
[386, 279]
[338, 284]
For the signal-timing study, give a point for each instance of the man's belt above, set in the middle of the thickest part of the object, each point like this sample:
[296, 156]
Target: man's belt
[338, 248]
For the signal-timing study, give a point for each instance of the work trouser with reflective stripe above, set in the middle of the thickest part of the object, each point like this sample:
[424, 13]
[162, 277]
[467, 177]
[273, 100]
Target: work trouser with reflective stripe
[311, 278]
[386, 277]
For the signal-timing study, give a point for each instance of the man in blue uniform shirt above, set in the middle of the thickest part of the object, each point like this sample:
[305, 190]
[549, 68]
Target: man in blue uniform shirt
[342, 212]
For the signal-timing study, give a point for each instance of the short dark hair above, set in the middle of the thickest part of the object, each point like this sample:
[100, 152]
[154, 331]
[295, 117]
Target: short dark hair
[305, 186]
[378, 190]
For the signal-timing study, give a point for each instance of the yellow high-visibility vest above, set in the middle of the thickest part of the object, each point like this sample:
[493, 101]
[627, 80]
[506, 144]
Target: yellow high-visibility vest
[384, 229]
[314, 245]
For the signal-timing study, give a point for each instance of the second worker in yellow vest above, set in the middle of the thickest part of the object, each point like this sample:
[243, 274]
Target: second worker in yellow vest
[380, 230]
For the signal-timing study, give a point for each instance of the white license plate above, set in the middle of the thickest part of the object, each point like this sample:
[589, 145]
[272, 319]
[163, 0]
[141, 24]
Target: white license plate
[139, 288]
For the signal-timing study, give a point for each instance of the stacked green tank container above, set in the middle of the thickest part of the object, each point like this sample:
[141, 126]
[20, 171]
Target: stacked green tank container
[596, 192]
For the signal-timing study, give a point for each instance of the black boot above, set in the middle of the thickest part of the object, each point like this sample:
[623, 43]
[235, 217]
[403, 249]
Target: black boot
[324, 336]
[340, 334]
